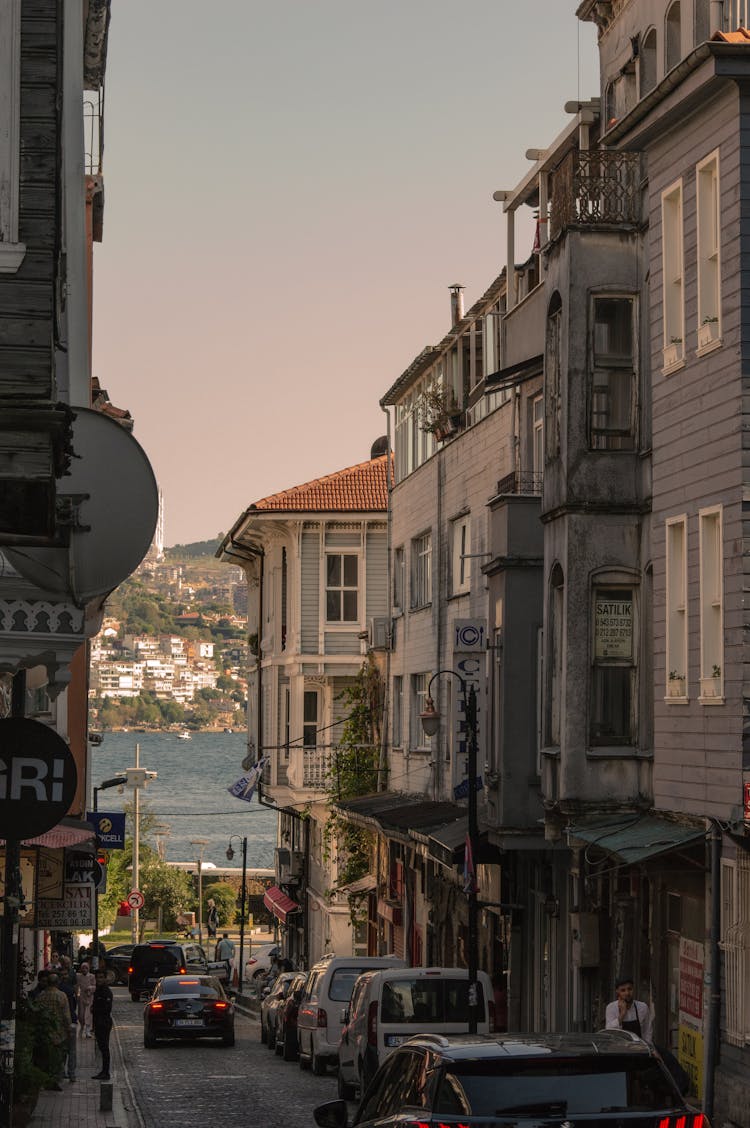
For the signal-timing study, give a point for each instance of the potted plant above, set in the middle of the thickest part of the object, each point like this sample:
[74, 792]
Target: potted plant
[438, 411]
[676, 684]
[711, 687]
[708, 332]
[672, 353]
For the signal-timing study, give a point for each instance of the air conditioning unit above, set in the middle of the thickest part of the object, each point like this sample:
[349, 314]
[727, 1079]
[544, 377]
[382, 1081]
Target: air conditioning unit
[379, 633]
[288, 865]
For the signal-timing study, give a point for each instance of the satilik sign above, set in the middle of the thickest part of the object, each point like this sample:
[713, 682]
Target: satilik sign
[38, 778]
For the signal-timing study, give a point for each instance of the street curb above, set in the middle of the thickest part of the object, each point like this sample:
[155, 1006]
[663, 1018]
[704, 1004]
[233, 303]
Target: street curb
[131, 1114]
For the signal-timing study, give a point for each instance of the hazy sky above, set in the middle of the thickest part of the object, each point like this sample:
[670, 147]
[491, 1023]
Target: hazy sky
[290, 189]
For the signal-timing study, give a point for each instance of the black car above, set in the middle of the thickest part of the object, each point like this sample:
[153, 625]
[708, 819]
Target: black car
[117, 960]
[188, 1006]
[520, 1081]
[149, 962]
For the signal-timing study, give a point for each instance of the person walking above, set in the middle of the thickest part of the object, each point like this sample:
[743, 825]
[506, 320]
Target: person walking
[101, 1013]
[627, 1013]
[86, 987]
[71, 994]
[225, 952]
[212, 919]
[53, 1050]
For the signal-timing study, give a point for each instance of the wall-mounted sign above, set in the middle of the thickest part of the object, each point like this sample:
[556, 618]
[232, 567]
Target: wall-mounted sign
[613, 625]
[109, 827]
[690, 1041]
[74, 910]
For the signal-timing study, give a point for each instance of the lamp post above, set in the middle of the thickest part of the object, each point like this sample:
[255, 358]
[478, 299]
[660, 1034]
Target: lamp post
[200, 844]
[431, 723]
[115, 781]
[243, 898]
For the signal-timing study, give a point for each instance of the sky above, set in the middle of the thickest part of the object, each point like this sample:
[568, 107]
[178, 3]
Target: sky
[290, 189]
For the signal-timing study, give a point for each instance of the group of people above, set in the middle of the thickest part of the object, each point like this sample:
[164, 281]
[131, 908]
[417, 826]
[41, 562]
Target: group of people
[73, 1004]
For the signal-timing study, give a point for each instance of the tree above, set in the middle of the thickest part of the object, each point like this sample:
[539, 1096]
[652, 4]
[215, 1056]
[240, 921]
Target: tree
[167, 891]
[226, 901]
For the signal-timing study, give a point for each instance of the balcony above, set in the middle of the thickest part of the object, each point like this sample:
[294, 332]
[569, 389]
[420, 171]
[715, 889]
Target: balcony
[524, 482]
[595, 187]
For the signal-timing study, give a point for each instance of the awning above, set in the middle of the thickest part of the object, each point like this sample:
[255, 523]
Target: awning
[365, 885]
[636, 839]
[68, 832]
[279, 904]
[398, 815]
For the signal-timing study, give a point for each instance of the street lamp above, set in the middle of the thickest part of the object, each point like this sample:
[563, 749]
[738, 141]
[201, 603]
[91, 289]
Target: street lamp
[200, 844]
[115, 781]
[431, 723]
[243, 897]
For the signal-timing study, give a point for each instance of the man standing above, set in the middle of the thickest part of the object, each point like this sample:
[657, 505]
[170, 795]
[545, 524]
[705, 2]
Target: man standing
[55, 1047]
[71, 994]
[626, 1013]
[212, 919]
[225, 952]
[101, 1015]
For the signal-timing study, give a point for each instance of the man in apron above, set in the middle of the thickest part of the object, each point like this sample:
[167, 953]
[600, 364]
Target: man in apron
[627, 1013]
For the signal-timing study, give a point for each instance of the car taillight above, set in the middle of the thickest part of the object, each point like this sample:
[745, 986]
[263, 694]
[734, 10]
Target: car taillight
[156, 1006]
[252, 960]
[220, 1005]
[322, 1017]
[130, 971]
[182, 971]
[372, 1024]
[691, 1120]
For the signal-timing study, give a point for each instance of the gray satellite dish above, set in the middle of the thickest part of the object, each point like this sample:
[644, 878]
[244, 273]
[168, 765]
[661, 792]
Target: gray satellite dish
[117, 517]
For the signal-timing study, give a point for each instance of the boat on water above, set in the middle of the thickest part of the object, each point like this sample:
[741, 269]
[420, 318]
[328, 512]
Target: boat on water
[183, 735]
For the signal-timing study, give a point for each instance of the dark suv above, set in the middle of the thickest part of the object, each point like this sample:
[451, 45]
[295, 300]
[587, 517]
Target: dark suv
[150, 962]
[520, 1081]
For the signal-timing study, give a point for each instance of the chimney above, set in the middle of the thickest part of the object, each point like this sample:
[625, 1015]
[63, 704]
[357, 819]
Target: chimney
[457, 302]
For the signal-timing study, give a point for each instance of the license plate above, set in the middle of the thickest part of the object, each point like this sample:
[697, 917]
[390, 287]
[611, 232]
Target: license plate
[188, 1022]
[395, 1039]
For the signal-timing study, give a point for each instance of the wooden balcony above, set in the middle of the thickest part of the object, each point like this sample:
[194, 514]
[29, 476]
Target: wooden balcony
[595, 188]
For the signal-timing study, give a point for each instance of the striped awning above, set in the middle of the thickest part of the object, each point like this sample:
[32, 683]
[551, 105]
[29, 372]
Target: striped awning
[279, 904]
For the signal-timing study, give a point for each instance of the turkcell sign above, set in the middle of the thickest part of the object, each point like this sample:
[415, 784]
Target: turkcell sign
[109, 827]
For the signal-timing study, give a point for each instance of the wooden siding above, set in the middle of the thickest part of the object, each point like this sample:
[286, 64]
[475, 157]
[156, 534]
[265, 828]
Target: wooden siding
[310, 594]
[698, 455]
[376, 574]
[27, 327]
[342, 642]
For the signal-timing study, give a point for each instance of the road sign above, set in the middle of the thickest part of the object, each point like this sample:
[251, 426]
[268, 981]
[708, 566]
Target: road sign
[136, 900]
[38, 777]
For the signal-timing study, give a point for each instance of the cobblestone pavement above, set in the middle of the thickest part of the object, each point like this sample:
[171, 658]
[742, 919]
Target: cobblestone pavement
[179, 1085]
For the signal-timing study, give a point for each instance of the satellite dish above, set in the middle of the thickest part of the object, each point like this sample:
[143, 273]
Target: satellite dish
[116, 518]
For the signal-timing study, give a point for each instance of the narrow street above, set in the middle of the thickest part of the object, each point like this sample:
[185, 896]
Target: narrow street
[206, 1084]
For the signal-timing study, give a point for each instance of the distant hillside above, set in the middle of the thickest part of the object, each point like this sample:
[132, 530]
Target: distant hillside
[195, 548]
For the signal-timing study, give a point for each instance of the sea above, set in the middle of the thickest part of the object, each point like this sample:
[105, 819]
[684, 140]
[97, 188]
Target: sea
[189, 794]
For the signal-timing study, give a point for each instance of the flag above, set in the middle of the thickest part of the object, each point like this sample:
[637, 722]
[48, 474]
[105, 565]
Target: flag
[470, 877]
[245, 788]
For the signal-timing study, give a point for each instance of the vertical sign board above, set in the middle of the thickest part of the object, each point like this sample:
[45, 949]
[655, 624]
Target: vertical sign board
[690, 1044]
[469, 647]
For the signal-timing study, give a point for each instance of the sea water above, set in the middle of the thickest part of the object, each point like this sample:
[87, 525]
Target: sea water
[189, 794]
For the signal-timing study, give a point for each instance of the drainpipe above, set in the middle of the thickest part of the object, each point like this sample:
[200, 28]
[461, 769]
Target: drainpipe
[440, 630]
[714, 972]
[383, 760]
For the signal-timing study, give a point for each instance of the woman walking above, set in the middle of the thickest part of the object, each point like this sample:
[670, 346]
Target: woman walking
[86, 987]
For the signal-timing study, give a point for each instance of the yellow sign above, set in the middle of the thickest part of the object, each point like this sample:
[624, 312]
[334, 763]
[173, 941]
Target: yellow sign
[690, 1055]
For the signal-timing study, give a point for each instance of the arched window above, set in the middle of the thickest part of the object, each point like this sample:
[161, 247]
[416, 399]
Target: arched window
[647, 63]
[673, 36]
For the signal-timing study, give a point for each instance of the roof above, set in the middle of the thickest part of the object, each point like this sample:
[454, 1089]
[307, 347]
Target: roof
[636, 838]
[360, 488]
[741, 35]
[458, 1047]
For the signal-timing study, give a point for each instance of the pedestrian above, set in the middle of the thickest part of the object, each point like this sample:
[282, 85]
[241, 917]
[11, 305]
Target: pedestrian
[86, 987]
[53, 1050]
[101, 1013]
[41, 982]
[71, 994]
[627, 1013]
[66, 971]
[225, 952]
[212, 919]
[83, 954]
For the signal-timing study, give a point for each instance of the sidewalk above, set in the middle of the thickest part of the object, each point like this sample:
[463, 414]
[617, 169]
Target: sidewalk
[77, 1106]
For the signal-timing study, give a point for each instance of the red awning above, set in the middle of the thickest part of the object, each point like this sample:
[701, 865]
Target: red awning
[279, 904]
[68, 832]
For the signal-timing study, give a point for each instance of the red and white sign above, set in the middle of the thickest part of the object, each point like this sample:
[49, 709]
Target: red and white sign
[136, 900]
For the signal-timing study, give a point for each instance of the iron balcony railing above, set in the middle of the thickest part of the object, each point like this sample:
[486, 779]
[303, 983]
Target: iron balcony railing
[736, 14]
[593, 187]
[521, 482]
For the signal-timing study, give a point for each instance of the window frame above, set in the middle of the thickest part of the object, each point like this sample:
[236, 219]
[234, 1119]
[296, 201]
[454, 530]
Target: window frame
[708, 224]
[460, 559]
[670, 27]
[399, 579]
[613, 439]
[420, 593]
[397, 719]
[342, 588]
[307, 694]
[673, 277]
[616, 584]
[12, 251]
[676, 607]
[711, 597]
[418, 690]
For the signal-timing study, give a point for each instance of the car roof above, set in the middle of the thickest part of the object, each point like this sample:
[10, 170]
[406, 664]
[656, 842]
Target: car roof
[481, 1047]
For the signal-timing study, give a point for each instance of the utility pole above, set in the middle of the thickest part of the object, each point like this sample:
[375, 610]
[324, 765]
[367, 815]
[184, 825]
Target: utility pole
[137, 777]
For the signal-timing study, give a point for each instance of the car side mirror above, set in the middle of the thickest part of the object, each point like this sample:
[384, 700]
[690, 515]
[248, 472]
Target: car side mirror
[333, 1114]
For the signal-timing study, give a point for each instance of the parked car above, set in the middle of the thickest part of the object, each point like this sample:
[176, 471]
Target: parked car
[286, 1022]
[188, 1006]
[149, 962]
[269, 1008]
[387, 1007]
[523, 1080]
[259, 962]
[327, 991]
[117, 960]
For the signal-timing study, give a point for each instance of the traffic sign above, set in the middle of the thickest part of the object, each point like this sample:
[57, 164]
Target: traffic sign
[136, 900]
[38, 777]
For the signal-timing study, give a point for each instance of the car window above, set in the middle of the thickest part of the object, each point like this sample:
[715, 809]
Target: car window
[576, 1086]
[312, 986]
[342, 983]
[382, 1096]
[360, 990]
[204, 989]
[421, 1001]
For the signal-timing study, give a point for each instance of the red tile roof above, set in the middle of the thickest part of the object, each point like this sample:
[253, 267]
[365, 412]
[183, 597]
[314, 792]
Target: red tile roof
[360, 488]
[741, 35]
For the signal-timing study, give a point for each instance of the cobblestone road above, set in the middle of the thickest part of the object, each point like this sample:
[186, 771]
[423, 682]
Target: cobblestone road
[179, 1085]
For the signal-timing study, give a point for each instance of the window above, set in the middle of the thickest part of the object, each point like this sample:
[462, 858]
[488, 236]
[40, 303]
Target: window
[673, 36]
[702, 21]
[537, 449]
[398, 579]
[552, 376]
[398, 712]
[735, 944]
[555, 641]
[11, 251]
[284, 580]
[310, 718]
[461, 573]
[613, 377]
[709, 298]
[421, 570]
[341, 588]
[672, 279]
[647, 63]
[286, 713]
[711, 602]
[676, 607]
[417, 737]
[613, 690]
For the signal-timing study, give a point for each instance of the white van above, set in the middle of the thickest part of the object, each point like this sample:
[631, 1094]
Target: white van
[387, 1007]
[327, 992]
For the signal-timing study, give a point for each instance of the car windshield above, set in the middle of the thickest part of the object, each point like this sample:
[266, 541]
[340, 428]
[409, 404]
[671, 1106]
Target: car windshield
[420, 1000]
[342, 983]
[196, 987]
[556, 1086]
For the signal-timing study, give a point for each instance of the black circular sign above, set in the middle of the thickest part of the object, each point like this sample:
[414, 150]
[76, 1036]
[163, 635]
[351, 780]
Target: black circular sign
[38, 778]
